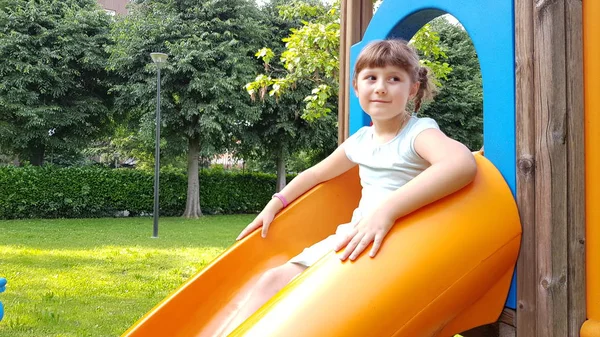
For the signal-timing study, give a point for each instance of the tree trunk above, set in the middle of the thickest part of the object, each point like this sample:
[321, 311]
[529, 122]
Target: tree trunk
[192, 206]
[36, 154]
[280, 171]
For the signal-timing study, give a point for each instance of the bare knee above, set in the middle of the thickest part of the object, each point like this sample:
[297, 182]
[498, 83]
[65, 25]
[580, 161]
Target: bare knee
[276, 278]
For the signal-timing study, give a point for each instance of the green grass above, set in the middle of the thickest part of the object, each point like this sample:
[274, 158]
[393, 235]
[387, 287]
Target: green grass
[96, 277]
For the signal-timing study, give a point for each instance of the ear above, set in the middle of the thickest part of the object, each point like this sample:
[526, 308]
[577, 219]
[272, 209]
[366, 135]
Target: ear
[355, 87]
[414, 89]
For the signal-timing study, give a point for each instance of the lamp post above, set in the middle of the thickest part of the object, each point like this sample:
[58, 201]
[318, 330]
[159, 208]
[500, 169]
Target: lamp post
[159, 59]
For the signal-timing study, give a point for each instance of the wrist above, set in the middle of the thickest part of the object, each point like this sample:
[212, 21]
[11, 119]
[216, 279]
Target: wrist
[274, 205]
[281, 198]
[384, 213]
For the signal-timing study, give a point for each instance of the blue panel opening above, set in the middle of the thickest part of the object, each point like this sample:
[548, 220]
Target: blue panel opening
[490, 24]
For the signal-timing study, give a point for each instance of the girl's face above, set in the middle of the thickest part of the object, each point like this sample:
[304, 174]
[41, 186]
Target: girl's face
[384, 92]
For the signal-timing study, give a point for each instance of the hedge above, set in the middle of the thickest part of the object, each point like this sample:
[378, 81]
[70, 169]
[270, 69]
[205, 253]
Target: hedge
[82, 192]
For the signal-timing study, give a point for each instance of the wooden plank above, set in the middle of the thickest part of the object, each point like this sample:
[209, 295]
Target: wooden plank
[504, 327]
[591, 13]
[551, 174]
[508, 317]
[366, 14]
[490, 330]
[343, 75]
[506, 330]
[525, 132]
[355, 18]
[576, 168]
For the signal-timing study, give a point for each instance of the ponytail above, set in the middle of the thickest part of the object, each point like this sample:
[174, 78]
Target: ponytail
[426, 87]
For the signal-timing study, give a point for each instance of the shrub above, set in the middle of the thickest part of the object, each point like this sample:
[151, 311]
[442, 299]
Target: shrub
[75, 192]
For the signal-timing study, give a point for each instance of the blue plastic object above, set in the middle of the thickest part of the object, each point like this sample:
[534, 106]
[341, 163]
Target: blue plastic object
[490, 24]
[2, 289]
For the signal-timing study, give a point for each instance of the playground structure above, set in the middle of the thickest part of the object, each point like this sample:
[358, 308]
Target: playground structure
[442, 270]
[537, 61]
[543, 138]
[2, 289]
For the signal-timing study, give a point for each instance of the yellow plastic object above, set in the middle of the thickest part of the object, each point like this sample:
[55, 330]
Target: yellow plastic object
[443, 269]
[591, 55]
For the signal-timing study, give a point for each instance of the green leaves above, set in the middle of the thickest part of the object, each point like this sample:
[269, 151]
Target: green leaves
[458, 107]
[427, 42]
[210, 44]
[283, 96]
[53, 75]
[50, 192]
[310, 55]
[266, 54]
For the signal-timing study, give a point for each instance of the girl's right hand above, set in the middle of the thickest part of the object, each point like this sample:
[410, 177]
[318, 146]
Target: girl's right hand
[263, 219]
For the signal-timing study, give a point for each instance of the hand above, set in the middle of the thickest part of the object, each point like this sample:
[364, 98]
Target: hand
[372, 228]
[263, 219]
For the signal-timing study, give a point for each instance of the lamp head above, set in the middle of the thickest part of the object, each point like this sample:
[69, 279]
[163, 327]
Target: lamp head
[159, 57]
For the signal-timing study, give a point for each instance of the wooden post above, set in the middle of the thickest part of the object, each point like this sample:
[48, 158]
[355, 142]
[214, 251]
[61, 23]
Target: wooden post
[551, 169]
[550, 180]
[355, 17]
[525, 131]
[576, 167]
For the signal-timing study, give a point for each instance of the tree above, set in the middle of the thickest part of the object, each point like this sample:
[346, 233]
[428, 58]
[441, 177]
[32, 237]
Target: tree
[210, 44]
[458, 107]
[312, 55]
[281, 131]
[54, 89]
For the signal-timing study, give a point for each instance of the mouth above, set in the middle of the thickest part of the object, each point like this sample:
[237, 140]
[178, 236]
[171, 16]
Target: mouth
[379, 101]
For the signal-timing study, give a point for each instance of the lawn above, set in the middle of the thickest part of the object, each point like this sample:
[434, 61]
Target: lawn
[96, 277]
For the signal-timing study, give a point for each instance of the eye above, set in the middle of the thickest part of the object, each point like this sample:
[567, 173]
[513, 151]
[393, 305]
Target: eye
[395, 79]
[370, 78]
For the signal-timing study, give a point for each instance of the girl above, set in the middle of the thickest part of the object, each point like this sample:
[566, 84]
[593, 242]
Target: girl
[404, 162]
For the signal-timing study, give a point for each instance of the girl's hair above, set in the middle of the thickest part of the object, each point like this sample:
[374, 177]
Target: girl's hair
[394, 52]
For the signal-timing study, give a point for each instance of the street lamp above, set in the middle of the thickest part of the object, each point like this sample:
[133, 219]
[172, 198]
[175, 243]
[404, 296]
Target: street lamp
[159, 59]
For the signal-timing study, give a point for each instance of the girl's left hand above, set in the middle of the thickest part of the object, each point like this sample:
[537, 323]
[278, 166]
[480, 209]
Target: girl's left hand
[372, 228]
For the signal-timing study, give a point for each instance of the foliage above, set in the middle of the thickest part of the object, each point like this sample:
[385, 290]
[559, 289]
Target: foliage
[281, 131]
[458, 107]
[427, 42]
[312, 55]
[82, 192]
[96, 277]
[295, 163]
[53, 93]
[210, 46]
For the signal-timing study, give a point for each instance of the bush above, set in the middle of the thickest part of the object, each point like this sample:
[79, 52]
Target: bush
[51, 192]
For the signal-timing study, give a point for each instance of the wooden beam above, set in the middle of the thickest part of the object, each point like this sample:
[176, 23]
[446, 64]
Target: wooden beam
[354, 20]
[526, 165]
[490, 330]
[551, 175]
[576, 168]
[508, 317]
[343, 74]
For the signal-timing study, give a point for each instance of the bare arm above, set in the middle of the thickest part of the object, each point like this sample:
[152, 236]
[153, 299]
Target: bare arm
[452, 167]
[331, 167]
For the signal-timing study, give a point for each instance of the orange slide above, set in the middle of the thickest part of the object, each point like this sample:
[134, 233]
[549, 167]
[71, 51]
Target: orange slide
[443, 269]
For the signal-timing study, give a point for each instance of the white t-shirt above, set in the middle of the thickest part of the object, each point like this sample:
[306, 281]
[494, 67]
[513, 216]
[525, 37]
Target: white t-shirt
[383, 168]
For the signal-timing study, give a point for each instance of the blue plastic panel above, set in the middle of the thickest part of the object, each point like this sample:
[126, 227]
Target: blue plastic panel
[490, 24]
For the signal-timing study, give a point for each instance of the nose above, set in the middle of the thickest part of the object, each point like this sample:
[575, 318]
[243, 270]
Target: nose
[380, 88]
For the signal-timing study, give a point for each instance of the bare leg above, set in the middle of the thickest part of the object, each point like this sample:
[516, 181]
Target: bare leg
[268, 285]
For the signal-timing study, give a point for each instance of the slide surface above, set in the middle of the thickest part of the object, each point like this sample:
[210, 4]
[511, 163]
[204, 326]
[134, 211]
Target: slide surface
[443, 269]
